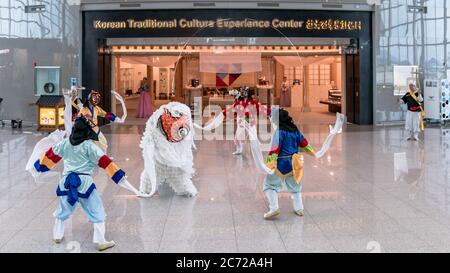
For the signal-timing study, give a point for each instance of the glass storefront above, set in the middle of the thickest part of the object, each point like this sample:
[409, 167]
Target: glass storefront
[408, 33]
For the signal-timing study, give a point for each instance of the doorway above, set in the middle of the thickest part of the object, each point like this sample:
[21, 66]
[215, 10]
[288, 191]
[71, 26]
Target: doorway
[322, 79]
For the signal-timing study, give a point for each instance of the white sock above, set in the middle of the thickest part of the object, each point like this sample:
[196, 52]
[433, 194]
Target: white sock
[99, 233]
[298, 202]
[58, 229]
[272, 197]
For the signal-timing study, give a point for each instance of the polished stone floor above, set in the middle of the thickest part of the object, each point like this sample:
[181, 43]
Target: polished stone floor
[372, 192]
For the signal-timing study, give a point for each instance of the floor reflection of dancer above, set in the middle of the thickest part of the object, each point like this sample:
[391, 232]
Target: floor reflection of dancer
[284, 157]
[145, 106]
[414, 115]
[92, 111]
[245, 109]
[81, 156]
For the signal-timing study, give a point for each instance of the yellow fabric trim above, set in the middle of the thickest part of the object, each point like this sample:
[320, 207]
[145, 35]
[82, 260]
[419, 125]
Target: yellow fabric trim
[85, 112]
[100, 112]
[422, 113]
[44, 160]
[271, 164]
[74, 105]
[111, 169]
[297, 168]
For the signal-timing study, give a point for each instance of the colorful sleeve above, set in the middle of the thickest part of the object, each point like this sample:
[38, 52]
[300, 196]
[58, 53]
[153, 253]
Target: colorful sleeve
[110, 116]
[49, 160]
[271, 159]
[104, 162]
[305, 147]
[107, 115]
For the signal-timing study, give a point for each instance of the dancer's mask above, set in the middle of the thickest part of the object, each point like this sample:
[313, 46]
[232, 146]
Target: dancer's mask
[175, 126]
[95, 97]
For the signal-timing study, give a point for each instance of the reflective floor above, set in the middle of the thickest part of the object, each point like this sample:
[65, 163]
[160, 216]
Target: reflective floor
[373, 192]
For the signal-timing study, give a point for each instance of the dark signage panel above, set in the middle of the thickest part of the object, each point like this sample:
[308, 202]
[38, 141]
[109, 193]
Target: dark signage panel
[228, 23]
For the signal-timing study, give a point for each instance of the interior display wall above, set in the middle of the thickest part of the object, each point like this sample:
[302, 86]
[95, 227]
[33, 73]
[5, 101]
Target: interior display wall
[279, 74]
[248, 79]
[268, 69]
[191, 68]
[139, 71]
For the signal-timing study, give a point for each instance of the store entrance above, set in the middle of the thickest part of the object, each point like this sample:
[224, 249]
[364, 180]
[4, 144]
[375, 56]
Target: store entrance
[309, 79]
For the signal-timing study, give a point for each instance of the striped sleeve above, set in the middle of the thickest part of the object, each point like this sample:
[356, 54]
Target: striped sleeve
[303, 141]
[100, 112]
[103, 161]
[110, 116]
[49, 160]
[275, 146]
[107, 115]
[305, 147]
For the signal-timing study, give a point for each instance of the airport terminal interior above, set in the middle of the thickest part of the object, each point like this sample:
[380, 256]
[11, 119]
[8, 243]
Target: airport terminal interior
[224, 126]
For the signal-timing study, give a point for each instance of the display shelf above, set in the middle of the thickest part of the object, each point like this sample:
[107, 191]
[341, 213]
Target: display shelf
[334, 100]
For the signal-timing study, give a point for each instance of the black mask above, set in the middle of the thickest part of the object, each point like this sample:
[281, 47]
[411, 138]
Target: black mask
[81, 131]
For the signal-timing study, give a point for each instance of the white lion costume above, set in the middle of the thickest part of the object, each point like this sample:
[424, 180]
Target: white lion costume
[167, 149]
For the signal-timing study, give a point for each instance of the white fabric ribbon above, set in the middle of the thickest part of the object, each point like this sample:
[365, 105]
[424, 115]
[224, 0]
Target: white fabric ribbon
[256, 150]
[340, 118]
[122, 103]
[41, 147]
[68, 124]
[213, 124]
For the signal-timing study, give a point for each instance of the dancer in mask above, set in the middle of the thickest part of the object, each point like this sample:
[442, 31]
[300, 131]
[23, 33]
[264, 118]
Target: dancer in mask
[167, 146]
[93, 111]
[80, 156]
[414, 115]
[246, 110]
[284, 158]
